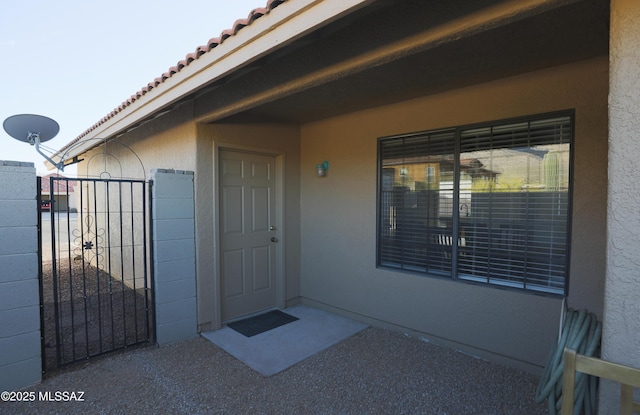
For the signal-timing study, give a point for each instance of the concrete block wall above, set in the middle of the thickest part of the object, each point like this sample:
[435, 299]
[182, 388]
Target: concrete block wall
[174, 255]
[20, 345]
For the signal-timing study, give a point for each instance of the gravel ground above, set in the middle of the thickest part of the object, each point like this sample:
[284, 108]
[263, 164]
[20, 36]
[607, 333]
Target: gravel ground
[374, 372]
[97, 313]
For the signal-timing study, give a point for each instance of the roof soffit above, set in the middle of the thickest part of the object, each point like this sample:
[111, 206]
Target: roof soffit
[308, 51]
[357, 67]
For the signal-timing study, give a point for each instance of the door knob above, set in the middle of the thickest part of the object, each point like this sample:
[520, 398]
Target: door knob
[274, 239]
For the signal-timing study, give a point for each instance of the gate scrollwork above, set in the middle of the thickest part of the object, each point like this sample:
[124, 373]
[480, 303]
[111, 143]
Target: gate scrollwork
[89, 242]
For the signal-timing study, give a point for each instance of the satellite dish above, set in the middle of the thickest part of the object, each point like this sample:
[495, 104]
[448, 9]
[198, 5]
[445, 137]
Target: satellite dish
[25, 127]
[33, 129]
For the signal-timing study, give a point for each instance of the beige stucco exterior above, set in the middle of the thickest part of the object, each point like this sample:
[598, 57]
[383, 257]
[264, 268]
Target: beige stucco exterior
[339, 216]
[170, 141]
[288, 108]
[328, 224]
[621, 327]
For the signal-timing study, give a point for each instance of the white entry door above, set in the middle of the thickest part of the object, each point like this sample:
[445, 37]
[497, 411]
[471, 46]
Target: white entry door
[247, 233]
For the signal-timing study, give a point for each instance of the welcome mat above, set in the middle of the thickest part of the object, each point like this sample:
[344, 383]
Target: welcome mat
[261, 323]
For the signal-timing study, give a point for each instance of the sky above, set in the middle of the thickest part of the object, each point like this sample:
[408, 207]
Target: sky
[76, 60]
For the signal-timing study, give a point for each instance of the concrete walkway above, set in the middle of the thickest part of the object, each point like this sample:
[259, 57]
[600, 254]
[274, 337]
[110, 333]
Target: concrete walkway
[273, 351]
[373, 372]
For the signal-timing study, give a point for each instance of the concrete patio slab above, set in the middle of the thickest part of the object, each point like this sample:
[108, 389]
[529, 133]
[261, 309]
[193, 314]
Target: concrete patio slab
[273, 351]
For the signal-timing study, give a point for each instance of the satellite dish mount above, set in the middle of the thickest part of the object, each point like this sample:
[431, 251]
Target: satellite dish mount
[33, 129]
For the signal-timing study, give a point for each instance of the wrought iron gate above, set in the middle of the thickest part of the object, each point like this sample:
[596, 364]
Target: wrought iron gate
[96, 284]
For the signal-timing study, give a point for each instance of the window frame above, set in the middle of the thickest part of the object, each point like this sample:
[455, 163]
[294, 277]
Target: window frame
[457, 131]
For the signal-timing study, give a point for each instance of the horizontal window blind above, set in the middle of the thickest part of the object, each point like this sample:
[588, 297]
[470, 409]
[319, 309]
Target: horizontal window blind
[488, 204]
[412, 198]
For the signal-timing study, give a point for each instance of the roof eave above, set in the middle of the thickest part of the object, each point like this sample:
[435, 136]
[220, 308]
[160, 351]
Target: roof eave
[283, 25]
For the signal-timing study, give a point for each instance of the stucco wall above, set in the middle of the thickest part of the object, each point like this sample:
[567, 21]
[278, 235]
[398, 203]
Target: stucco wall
[174, 141]
[339, 218]
[167, 142]
[621, 331]
[277, 139]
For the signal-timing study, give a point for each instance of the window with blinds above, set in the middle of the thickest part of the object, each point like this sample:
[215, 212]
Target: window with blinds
[488, 203]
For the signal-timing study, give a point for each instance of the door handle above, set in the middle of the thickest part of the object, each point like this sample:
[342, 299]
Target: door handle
[274, 239]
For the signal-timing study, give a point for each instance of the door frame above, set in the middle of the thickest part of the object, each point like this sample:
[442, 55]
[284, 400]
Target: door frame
[280, 223]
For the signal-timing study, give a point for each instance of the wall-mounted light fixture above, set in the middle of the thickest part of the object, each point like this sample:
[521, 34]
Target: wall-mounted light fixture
[322, 168]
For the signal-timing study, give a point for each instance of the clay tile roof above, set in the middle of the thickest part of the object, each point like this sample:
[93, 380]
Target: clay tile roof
[274, 3]
[256, 13]
[213, 42]
[61, 186]
[200, 50]
[237, 25]
[191, 57]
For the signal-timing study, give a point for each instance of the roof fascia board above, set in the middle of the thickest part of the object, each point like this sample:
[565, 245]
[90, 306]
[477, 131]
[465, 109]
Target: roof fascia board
[487, 19]
[281, 26]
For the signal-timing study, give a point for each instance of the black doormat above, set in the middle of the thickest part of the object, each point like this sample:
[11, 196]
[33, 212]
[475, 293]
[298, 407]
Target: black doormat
[264, 322]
